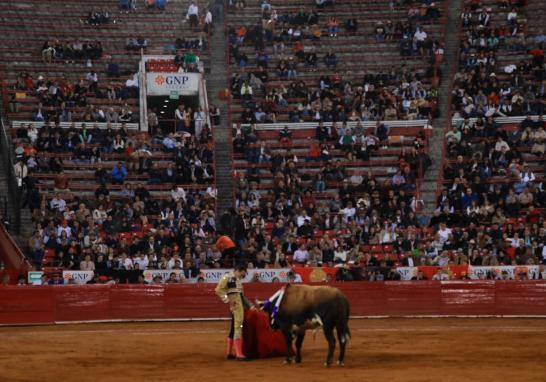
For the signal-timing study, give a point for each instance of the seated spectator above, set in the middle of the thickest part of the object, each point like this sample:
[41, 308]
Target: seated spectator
[351, 25]
[330, 59]
[113, 70]
[127, 5]
[119, 173]
[285, 135]
[136, 43]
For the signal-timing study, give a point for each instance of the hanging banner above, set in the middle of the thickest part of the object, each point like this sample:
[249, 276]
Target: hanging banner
[168, 83]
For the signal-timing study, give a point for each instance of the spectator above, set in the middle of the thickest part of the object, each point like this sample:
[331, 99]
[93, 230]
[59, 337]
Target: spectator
[192, 16]
[119, 173]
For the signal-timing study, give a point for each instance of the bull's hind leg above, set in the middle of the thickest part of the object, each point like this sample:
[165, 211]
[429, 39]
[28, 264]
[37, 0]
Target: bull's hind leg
[329, 334]
[342, 344]
[299, 342]
[288, 339]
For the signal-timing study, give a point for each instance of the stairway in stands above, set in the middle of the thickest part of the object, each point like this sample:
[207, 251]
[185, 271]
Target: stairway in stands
[21, 229]
[217, 81]
[448, 68]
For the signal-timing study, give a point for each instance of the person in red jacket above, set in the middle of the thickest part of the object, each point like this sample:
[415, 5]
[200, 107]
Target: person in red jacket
[227, 247]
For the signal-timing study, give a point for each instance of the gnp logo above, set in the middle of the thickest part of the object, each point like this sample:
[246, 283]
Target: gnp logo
[173, 79]
[160, 80]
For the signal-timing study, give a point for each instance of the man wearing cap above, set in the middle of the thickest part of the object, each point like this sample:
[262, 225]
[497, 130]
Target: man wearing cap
[230, 290]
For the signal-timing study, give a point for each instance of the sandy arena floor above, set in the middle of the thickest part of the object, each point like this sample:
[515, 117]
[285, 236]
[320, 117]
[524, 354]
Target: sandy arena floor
[381, 350]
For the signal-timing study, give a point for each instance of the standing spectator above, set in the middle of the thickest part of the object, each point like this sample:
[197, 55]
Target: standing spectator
[92, 81]
[208, 22]
[180, 117]
[153, 121]
[199, 119]
[21, 173]
[193, 15]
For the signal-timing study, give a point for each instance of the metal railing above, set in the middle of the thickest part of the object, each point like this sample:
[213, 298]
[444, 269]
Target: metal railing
[14, 195]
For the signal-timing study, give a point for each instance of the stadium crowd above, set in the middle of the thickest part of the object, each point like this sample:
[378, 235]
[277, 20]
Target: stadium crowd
[296, 40]
[490, 82]
[332, 216]
[124, 167]
[494, 175]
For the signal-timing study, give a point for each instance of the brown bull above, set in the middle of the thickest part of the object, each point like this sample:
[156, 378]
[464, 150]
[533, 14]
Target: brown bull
[296, 308]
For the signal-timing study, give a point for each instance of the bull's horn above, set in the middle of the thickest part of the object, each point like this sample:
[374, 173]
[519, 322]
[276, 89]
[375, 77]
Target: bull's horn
[259, 302]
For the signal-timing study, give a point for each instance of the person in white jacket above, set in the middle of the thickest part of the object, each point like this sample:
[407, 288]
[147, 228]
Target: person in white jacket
[199, 121]
[193, 15]
[21, 172]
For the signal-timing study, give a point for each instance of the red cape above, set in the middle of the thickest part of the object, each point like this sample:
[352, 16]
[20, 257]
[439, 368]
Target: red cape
[259, 340]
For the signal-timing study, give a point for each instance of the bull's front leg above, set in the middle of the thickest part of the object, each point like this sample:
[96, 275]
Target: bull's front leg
[288, 340]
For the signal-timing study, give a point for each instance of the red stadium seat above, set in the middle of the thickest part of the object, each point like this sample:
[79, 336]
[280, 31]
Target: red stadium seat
[387, 248]
[377, 249]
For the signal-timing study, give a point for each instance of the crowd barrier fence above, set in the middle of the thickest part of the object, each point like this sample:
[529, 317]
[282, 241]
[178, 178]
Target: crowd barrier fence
[92, 303]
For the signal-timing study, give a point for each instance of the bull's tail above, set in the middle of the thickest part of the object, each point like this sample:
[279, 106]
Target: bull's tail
[345, 332]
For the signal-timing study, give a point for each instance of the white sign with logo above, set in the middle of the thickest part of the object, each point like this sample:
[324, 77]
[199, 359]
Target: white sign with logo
[165, 274]
[407, 273]
[505, 272]
[214, 275]
[166, 83]
[79, 277]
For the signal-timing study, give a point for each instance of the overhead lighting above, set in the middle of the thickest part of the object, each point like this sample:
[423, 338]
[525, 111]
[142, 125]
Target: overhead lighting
[162, 112]
[166, 100]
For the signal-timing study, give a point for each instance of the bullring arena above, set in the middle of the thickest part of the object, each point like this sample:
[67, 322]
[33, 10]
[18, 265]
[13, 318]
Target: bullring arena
[191, 188]
[451, 348]
[381, 350]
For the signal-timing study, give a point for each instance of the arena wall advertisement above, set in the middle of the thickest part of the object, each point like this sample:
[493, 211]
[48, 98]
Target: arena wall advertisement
[79, 277]
[214, 275]
[507, 272]
[310, 274]
[504, 272]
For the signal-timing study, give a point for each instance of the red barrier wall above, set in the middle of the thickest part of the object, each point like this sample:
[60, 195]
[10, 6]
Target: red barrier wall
[50, 304]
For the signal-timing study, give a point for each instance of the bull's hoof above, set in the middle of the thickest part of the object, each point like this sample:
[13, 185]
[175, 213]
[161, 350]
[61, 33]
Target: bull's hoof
[287, 361]
[298, 360]
[340, 363]
[230, 357]
[326, 364]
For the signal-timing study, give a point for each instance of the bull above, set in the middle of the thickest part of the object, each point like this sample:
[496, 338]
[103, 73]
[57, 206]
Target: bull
[297, 308]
